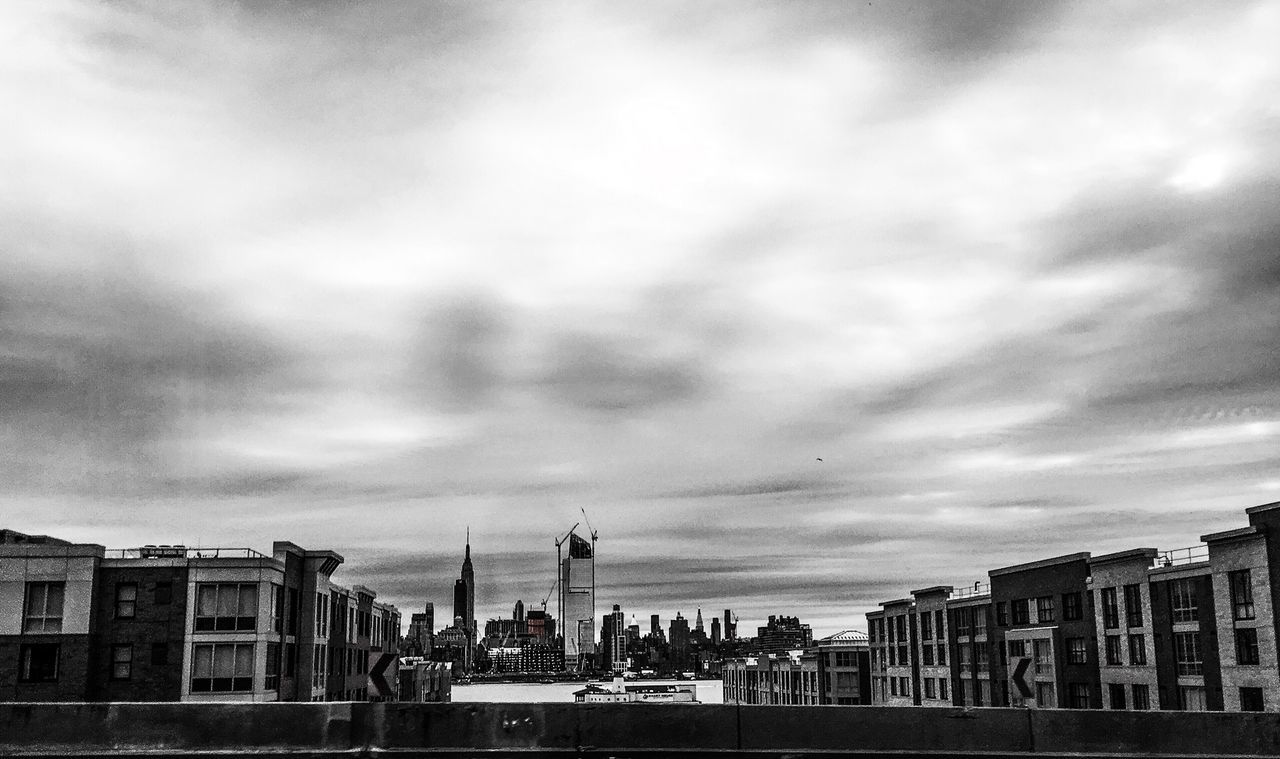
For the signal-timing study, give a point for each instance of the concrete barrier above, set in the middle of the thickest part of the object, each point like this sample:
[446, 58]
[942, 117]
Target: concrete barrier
[614, 730]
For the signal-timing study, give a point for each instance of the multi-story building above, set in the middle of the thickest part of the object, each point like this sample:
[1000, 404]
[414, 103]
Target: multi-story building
[169, 623]
[844, 668]
[772, 679]
[1188, 629]
[464, 606]
[613, 640]
[929, 648]
[578, 602]
[781, 634]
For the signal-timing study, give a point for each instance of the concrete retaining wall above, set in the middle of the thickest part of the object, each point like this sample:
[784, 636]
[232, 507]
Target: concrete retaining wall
[610, 729]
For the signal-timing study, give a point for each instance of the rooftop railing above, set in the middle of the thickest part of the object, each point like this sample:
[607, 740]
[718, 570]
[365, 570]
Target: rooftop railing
[183, 552]
[1180, 556]
[973, 591]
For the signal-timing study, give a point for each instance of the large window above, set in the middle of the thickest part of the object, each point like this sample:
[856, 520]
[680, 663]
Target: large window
[1110, 612]
[221, 667]
[942, 653]
[926, 626]
[1002, 614]
[126, 600]
[930, 688]
[226, 607]
[1182, 597]
[43, 608]
[122, 662]
[1241, 594]
[980, 620]
[1078, 696]
[38, 663]
[1251, 700]
[1137, 649]
[926, 654]
[1044, 609]
[1077, 651]
[1113, 650]
[939, 624]
[1045, 695]
[272, 681]
[1071, 608]
[1246, 646]
[1021, 616]
[1186, 652]
[1043, 656]
[846, 659]
[1141, 697]
[963, 619]
[1133, 605]
[1191, 698]
[1116, 693]
[277, 608]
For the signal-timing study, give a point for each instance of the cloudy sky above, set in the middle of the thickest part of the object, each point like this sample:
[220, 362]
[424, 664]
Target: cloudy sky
[358, 276]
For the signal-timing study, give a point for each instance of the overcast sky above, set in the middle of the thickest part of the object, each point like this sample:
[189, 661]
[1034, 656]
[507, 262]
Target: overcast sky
[359, 275]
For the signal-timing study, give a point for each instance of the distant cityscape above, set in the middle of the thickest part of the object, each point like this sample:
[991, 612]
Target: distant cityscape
[1189, 629]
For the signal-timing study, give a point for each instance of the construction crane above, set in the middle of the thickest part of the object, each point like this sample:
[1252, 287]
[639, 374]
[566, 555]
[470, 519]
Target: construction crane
[550, 590]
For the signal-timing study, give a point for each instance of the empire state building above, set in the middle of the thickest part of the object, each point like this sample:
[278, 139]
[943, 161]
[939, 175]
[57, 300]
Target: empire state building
[464, 603]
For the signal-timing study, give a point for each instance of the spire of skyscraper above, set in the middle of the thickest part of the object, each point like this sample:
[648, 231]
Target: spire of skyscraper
[697, 625]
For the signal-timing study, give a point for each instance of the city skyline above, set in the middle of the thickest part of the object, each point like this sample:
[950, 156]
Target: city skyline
[804, 303]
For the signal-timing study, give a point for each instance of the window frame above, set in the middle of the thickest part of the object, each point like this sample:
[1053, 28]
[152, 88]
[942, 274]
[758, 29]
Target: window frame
[26, 660]
[239, 621]
[44, 619]
[122, 661]
[1246, 645]
[1241, 584]
[126, 607]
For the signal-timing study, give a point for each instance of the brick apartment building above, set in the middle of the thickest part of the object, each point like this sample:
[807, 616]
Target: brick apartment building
[1187, 629]
[167, 623]
[834, 670]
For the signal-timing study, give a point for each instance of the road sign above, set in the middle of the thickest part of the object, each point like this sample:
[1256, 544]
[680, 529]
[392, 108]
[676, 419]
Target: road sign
[1019, 677]
[378, 674]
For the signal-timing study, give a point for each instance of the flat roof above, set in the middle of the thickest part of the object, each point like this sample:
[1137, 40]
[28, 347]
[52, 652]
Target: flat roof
[1132, 553]
[1240, 532]
[933, 589]
[1068, 558]
[895, 602]
[1264, 507]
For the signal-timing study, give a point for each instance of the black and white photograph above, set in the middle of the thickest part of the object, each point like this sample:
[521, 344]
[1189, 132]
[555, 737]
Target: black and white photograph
[672, 377]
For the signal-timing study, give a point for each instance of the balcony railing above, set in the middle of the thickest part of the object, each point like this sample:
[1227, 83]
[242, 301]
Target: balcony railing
[1180, 556]
[183, 552]
[973, 591]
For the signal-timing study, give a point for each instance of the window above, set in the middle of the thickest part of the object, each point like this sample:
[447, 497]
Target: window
[1133, 605]
[122, 661]
[1002, 614]
[1186, 652]
[163, 593]
[1043, 655]
[902, 654]
[1071, 609]
[1044, 695]
[1141, 697]
[893, 656]
[44, 607]
[277, 608]
[900, 622]
[845, 659]
[126, 600]
[964, 622]
[904, 687]
[1137, 649]
[160, 653]
[1191, 698]
[942, 653]
[963, 656]
[221, 667]
[980, 620]
[1044, 609]
[942, 688]
[939, 624]
[1077, 650]
[1021, 614]
[272, 681]
[1241, 594]
[930, 688]
[38, 662]
[1110, 612]
[926, 654]
[322, 617]
[294, 605]
[980, 655]
[1078, 696]
[1017, 649]
[926, 626]
[1246, 646]
[226, 606]
[1251, 700]
[893, 686]
[1116, 693]
[1113, 650]
[1182, 596]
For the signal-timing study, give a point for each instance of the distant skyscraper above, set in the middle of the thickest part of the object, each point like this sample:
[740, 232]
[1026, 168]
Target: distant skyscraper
[715, 631]
[730, 631]
[679, 641]
[578, 593]
[698, 624]
[614, 641]
[431, 617]
[518, 614]
[655, 625]
[464, 603]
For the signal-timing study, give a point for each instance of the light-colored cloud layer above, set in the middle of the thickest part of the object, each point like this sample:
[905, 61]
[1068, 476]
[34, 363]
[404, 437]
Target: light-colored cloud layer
[359, 276]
